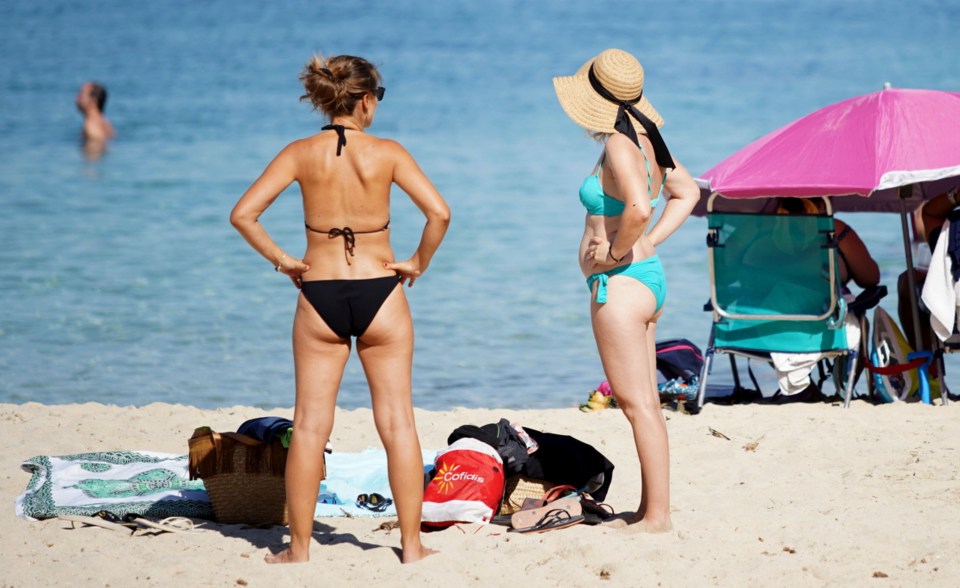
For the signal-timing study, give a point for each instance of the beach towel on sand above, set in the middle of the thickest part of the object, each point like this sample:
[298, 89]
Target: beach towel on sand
[157, 485]
[140, 482]
[352, 474]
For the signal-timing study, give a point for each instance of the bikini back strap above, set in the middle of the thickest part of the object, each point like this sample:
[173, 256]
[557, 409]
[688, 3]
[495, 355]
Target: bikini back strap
[349, 236]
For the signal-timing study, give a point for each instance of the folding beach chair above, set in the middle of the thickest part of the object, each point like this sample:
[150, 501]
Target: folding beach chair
[774, 287]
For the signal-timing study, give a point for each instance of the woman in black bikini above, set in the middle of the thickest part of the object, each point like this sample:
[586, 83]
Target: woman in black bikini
[349, 282]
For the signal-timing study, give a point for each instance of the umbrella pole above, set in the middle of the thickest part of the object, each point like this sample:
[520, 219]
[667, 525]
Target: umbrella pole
[905, 192]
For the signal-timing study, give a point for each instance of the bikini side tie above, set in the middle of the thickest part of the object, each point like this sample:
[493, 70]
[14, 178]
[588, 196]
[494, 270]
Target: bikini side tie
[622, 123]
[602, 288]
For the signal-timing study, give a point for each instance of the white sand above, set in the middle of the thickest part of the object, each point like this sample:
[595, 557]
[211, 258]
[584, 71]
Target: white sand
[861, 497]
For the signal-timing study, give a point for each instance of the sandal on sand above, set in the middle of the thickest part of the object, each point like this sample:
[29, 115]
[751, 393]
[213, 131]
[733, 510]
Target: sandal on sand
[168, 525]
[596, 402]
[131, 523]
[101, 521]
[557, 518]
[528, 518]
[600, 510]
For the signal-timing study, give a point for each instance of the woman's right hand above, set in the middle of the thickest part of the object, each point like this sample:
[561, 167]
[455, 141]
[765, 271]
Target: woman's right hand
[598, 252]
[293, 268]
[408, 270]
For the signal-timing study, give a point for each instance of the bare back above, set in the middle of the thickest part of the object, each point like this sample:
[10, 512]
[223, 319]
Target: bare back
[350, 190]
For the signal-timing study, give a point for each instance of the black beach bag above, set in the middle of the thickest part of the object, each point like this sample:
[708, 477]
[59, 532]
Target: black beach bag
[679, 358]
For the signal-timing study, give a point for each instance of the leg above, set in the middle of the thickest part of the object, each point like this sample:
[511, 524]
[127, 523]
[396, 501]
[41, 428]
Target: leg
[650, 352]
[625, 330]
[386, 352]
[319, 356]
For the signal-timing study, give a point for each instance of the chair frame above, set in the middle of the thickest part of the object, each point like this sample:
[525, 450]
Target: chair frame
[850, 356]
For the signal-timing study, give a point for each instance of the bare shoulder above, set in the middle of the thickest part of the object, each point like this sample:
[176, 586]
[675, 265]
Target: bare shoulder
[620, 143]
[298, 146]
[302, 149]
[391, 147]
[620, 151]
[393, 153]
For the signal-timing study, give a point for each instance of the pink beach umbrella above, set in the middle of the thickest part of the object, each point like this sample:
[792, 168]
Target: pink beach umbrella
[882, 152]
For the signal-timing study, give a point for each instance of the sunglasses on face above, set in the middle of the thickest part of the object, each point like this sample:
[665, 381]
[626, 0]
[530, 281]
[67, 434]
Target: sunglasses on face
[379, 92]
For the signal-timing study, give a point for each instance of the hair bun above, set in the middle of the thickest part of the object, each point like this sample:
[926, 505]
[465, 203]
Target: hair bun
[335, 85]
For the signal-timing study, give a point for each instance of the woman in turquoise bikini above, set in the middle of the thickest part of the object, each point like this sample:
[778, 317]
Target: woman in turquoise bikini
[618, 253]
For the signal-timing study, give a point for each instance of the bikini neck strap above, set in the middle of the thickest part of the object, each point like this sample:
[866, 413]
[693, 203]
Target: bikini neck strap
[341, 135]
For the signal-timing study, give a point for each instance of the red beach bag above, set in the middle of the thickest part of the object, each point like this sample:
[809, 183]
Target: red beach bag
[467, 485]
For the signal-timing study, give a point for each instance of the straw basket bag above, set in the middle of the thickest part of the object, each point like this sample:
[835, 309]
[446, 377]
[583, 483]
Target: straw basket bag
[519, 488]
[244, 477]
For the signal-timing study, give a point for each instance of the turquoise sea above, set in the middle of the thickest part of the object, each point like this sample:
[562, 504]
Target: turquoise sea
[122, 282]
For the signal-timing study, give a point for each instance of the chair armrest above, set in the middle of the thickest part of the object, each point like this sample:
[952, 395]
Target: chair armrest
[867, 299]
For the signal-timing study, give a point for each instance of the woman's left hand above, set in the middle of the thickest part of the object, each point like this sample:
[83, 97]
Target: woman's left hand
[294, 269]
[408, 270]
[598, 251]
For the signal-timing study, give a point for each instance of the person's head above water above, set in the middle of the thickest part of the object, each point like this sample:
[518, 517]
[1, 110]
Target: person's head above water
[92, 94]
[335, 85]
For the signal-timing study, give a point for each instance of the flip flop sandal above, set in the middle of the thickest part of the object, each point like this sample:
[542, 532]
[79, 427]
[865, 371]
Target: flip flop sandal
[590, 506]
[558, 492]
[597, 401]
[99, 521]
[523, 519]
[557, 518]
[168, 525]
[374, 502]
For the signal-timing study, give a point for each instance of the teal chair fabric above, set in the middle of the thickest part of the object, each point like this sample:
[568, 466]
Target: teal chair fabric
[767, 268]
[774, 288]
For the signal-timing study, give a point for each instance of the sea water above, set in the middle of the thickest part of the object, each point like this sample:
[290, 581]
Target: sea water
[122, 281]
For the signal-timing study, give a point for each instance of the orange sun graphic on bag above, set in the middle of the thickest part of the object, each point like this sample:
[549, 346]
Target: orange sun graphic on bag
[444, 476]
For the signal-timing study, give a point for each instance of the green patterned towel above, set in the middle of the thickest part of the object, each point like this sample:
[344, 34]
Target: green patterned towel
[140, 482]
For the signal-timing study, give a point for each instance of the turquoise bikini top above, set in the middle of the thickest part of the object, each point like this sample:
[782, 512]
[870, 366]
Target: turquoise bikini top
[597, 202]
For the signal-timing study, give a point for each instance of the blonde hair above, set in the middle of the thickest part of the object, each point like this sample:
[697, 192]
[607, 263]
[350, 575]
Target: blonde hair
[334, 85]
[598, 136]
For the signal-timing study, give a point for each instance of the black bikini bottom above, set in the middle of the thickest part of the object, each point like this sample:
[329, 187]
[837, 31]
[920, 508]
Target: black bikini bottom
[349, 306]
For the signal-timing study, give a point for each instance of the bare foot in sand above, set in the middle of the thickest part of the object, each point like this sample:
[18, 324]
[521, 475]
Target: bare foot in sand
[284, 557]
[416, 554]
[636, 523]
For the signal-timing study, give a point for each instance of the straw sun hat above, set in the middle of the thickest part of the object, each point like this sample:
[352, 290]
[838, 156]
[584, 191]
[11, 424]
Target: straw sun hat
[617, 71]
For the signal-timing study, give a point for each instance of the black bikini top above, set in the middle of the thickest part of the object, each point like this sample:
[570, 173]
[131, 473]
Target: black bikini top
[349, 236]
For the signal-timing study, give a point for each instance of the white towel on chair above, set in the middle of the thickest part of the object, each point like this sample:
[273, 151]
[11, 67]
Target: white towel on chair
[793, 369]
[941, 294]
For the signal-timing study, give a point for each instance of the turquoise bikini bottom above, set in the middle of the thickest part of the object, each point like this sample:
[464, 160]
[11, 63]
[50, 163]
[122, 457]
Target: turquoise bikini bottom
[647, 271]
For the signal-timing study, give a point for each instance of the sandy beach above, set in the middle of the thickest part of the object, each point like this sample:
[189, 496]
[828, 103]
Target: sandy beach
[805, 495]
